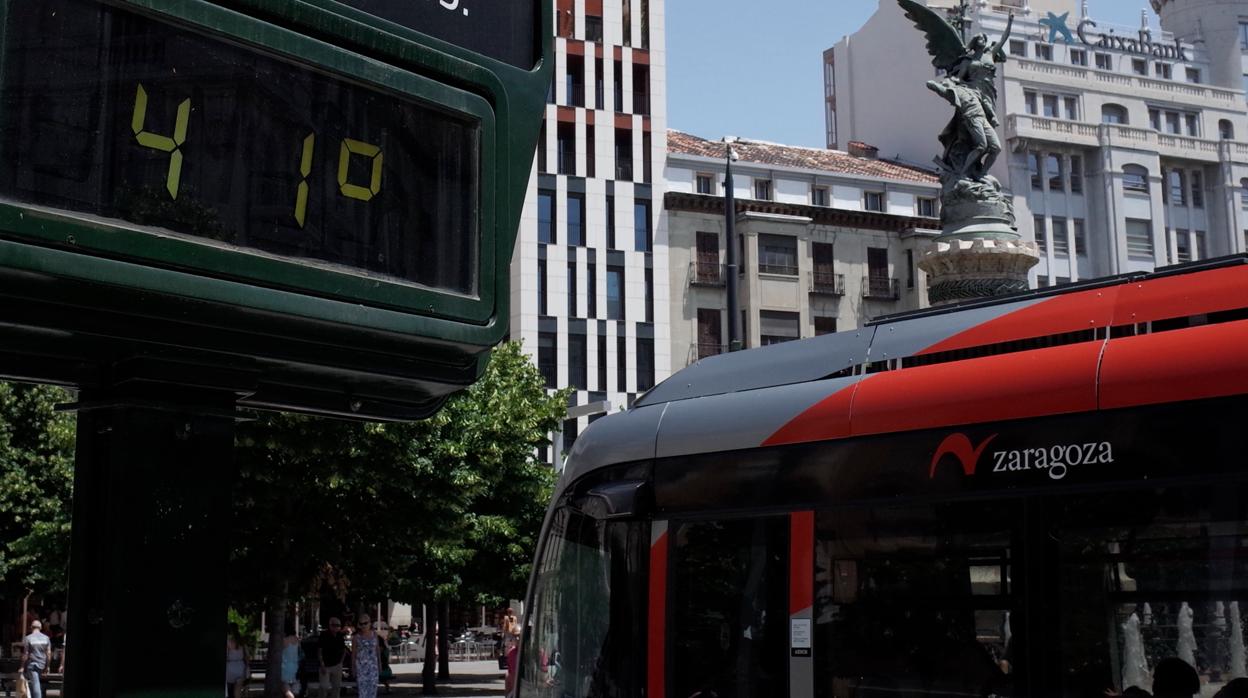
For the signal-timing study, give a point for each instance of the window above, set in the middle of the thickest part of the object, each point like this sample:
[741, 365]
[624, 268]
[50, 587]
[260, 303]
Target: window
[567, 149]
[1061, 243]
[1177, 184]
[618, 85]
[777, 254]
[578, 361]
[541, 149]
[1193, 75]
[1199, 238]
[1134, 178]
[574, 81]
[643, 238]
[1192, 124]
[1172, 122]
[1042, 237]
[602, 363]
[1037, 171]
[1050, 106]
[1029, 100]
[775, 327]
[624, 154]
[873, 201]
[600, 85]
[593, 28]
[1071, 105]
[1081, 238]
[548, 358]
[645, 363]
[879, 283]
[1044, 52]
[610, 221]
[615, 293]
[1104, 61]
[541, 287]
[1076, 174]
[1113, 114]
[1139, 240]
[1243, 36]
[1018, 48]
[1078, 56]
[1182, 245]
[572, 295]
[1226, 130]
[621, 360]
[824, 325]
[1055, 169]
[1243, 193]
[762, 189]
[546, 216]
[1163, 71]
[1139, 66]
[909, 268]
[927, 207]
[705, 183]
[1198, 189]
[1154, 119]
[576, 219]
[591, 289]
[591, 151]
[824, 276]
[819, 196]
[649, 281]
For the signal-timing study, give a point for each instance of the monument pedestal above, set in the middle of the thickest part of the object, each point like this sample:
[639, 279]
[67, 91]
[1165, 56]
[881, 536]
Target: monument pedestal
[962, 268]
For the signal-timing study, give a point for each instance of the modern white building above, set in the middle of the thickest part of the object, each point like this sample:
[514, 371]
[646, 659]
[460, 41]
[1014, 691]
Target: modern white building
[588, 281]
[1124, 148]
[828, 240]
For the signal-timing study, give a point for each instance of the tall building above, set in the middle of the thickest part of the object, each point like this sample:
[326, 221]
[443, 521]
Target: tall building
[588, 286]
[1124, 148]
[828, 240]
[1220, 27]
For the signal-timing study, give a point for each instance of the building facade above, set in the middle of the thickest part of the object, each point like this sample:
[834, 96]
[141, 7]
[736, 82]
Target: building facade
[1125, 148]
[588, 286]
[828, 240]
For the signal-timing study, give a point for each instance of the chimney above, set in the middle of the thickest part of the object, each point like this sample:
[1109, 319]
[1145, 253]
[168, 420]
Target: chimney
[863, 150]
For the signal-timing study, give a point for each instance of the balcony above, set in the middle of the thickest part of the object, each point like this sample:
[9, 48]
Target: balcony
[1028, 127]
[641, 103]
[778, 269]
[550, 372]
[576, 95]
[1086, 79]
[881, 288]
[567, 161]
[624, 169]
[826, 283]
[707, 273]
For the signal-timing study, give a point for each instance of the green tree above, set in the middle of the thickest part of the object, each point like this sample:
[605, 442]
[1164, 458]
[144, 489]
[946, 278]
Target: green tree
[397, 510]
[36, 484]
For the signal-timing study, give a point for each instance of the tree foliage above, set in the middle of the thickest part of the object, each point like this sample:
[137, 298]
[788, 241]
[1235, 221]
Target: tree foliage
[36, 483]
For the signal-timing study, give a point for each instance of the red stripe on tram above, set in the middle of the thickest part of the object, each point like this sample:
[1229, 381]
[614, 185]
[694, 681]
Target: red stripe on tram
[801, 561]
[656, 671]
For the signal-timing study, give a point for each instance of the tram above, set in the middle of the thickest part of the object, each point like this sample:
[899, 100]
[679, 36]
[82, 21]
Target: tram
[1044, 495]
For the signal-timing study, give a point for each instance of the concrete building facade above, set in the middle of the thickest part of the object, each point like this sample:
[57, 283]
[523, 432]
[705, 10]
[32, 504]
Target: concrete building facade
[1125, 148]
[828, 240]
[588, 282]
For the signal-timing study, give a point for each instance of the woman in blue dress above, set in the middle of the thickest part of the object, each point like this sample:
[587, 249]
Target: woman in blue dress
[365, 653]
[290, 661]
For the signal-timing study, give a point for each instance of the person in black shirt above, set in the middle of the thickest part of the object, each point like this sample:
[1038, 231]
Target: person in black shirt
[331, 648]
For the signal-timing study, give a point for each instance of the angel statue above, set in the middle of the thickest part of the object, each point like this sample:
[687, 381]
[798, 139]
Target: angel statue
[970, 140]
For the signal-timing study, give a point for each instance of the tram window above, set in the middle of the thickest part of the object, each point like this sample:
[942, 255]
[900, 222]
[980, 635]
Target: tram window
[1147, 575]
[915, 601]
[729, 608]
[582, 637]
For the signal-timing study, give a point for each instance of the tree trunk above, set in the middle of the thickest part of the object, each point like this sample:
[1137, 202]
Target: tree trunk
[277, 637]
[444, 643]
[429, 671]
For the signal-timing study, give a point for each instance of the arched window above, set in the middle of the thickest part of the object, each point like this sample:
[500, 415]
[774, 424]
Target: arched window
[1113, 114]
[1134, 178]
[1226, 130]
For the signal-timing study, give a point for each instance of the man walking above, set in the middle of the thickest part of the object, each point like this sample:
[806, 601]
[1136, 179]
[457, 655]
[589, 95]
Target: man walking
[36, 652]
[330, 650]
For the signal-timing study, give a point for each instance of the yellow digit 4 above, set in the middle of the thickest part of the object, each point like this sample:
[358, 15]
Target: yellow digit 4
[355, 191]
[164, 144]
[305, 169]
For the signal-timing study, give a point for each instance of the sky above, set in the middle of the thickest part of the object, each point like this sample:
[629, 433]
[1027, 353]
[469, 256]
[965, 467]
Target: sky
[754, 68]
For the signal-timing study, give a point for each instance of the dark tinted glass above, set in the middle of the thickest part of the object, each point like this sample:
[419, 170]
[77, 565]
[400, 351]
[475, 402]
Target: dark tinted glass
[118, 115]
[500, 29]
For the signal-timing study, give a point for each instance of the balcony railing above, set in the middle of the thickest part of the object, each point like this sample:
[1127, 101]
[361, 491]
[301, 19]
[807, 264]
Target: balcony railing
[624, 170]
[576, 95]
[641, 103]
[781, 269]
[550, 372]
[705, 273]
[827, 283]
[881, 288]
[567, 162]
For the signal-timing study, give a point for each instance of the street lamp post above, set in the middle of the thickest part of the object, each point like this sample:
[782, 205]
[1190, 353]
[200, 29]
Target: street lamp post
[730, 238]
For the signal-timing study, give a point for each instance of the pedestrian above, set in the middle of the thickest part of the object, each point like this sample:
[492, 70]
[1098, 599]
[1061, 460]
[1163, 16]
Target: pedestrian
[366, 656]
[235, 663]
[36, 656]
[290, 661]
[331, 648]
[511, 628]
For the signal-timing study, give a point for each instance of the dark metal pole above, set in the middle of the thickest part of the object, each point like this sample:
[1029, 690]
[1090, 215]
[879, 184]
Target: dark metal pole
[730, 237]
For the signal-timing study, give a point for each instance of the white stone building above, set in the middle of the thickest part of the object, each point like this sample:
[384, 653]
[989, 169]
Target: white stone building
[588, 287]
[828, 240]
[1124, 148]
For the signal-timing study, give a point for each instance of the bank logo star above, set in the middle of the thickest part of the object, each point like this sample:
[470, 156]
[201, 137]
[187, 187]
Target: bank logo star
[1057, 25]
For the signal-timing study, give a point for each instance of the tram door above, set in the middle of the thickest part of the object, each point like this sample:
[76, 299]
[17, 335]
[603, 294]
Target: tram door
[729, 595]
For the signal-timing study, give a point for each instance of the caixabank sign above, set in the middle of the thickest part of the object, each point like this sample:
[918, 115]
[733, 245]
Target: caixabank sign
[1085, 32]
[311, 202]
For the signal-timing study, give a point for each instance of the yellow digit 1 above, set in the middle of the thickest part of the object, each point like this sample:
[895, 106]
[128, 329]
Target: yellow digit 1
[164, 144]
[368, 150]
[305, 169]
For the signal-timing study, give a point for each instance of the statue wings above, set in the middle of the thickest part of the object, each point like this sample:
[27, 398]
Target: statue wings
[943, 41]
